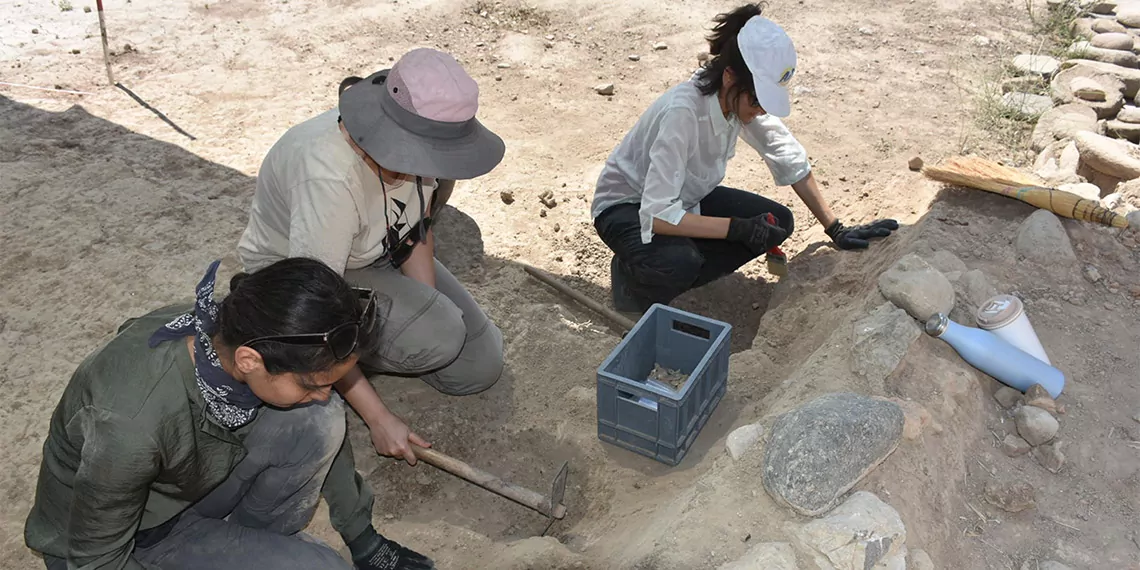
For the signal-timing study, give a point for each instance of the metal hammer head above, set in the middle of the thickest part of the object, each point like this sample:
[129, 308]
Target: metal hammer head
[555, 508]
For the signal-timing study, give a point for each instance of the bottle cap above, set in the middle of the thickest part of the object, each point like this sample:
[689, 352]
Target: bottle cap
[936, 324]
[999, 311]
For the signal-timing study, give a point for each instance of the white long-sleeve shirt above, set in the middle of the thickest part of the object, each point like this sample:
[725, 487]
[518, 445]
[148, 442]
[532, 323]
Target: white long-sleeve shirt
[677, 152]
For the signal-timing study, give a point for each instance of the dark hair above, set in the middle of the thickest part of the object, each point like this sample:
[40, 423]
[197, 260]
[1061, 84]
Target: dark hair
[726, 54]
[290, 297]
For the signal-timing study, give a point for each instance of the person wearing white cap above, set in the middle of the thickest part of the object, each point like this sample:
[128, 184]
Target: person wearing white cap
[358, 188]
[659, 205]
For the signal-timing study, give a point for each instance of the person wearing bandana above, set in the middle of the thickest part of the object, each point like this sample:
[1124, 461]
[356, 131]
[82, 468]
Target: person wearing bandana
[659, 205]
[201, 436]
[359, 187]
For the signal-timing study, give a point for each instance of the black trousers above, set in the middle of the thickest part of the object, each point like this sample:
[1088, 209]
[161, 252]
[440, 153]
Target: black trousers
[668, 266]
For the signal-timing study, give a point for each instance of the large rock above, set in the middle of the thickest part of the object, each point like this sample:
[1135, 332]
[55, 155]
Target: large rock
[917, 287]
[1129, 114]
[919, 560]
[1035, 425]
[1063, 122]
[974, 289]
[1123, 130]
[766, 556]
[1083, 189]
[818, 451]
[1082, 27]
[1130, 77]
[1086, 50]
[1106, 26]
[881, 340]
[1026, 105]
[1129, 15]
[1130, 192]
[1111, 97]
[1036, 64]
[1042, 238]
[946, 262]
[1112, 40]
[743, 439]
[1116, 158]
[861, 534]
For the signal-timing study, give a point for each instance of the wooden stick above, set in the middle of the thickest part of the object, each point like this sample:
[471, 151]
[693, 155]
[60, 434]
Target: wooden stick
[106, 50]
[549, 506]
[584, 300]
[46, 88]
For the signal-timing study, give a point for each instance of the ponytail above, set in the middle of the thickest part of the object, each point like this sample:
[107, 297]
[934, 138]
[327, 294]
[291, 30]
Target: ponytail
[726, 53]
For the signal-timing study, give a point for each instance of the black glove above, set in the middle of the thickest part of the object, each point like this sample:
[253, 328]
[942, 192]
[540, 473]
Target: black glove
[756, 234]
[371, 551]
[856, 237]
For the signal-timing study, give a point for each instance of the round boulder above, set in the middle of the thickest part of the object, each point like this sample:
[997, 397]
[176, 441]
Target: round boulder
[1113, 157]
[1129, 15]
[820, 450]
[1130, 77]
[1107, 26]
[1111, 90]
[1120, 41]
[1063, 122]
[1123, 130]
[1114, 56]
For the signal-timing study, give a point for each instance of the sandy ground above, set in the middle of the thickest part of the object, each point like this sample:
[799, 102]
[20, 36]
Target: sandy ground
[108, 212]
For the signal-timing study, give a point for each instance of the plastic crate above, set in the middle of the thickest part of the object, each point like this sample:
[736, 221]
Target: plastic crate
[652, 418]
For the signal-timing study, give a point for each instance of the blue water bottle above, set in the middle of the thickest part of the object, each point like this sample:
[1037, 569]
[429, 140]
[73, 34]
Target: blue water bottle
[990, 354]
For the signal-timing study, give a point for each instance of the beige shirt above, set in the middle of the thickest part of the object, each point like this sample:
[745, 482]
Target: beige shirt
[317, 198]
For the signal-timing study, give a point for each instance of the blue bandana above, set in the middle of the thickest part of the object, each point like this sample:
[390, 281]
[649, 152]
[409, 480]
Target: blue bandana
[229, 402]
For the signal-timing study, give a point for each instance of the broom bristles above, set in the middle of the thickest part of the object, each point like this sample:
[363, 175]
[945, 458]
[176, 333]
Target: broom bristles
[982, 174]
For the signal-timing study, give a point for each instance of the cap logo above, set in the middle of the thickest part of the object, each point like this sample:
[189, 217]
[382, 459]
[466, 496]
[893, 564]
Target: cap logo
[786, 77]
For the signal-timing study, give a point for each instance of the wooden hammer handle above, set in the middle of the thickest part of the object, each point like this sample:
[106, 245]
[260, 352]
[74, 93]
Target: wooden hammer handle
[520, 495]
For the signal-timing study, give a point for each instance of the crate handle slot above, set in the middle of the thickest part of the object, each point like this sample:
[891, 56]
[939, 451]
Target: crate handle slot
[635, 399]
[691, 329]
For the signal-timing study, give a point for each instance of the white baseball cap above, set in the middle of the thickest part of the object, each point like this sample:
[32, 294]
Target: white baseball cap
[771, 58]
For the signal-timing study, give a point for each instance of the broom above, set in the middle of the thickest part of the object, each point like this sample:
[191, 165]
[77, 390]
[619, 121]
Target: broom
[982, 174]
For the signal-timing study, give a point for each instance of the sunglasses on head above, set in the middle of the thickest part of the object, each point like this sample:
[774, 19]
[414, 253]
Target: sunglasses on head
[343, 339]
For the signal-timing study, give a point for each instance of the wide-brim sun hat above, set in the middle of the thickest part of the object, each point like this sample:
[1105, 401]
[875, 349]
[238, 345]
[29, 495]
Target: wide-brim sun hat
[418, 118]
[771, 58]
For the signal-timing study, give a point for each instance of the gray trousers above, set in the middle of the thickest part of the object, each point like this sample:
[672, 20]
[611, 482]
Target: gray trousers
[255, 517]
[440, 334]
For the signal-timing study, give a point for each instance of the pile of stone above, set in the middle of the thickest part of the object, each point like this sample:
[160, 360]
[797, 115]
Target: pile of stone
[1088, 125]
[1036, 424]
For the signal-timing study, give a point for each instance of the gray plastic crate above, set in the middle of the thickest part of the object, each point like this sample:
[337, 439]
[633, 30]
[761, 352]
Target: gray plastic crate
[655, 420]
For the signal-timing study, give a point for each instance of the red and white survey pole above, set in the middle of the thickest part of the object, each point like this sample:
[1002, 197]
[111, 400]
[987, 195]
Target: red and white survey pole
[106, 50]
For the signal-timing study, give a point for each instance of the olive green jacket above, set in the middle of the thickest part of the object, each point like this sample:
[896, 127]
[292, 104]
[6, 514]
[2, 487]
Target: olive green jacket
[130, 446]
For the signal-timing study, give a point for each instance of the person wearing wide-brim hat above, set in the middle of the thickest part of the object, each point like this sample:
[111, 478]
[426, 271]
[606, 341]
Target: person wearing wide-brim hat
[659, 204]
[358, 187]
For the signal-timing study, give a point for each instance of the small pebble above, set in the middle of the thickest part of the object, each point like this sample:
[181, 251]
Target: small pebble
[915, 164]
[755, 306]
[549, 37]
[86, 9]
[542, 214]
[507, 197]
[504, 65]
[548, 44]
[35, 30]
[75, 51]
[1092, 274]
[557, 227]
[634, 57]
[604, 89]
[480, 44]
[866, 31]
[660, 46]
